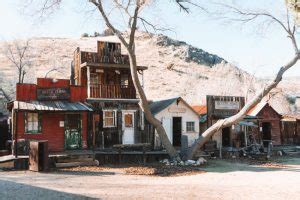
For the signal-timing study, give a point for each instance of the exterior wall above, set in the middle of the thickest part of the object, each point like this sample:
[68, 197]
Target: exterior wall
[268, 114]
[50, 130]
[113, 135]
[187, 115]
[50, 120]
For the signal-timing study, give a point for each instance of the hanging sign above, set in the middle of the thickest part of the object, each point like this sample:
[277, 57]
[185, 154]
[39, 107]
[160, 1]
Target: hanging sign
[53, 94]
[227, 105]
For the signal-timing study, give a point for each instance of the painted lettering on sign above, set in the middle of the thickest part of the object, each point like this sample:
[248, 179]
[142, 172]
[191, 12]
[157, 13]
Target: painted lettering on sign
[177, 110]
[227, 105]
[53, 94]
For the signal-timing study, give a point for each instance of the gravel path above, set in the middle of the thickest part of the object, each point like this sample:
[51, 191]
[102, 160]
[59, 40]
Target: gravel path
[224, 180]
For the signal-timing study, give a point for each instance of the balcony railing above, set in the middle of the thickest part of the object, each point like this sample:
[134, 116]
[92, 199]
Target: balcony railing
[111, 58]
[112, 91]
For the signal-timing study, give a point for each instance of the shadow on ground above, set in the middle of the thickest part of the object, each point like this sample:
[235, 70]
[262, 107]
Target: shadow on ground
[14, 190]
[275, 164]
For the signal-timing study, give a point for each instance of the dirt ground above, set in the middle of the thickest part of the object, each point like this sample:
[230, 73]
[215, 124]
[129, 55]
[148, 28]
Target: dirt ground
[223, 179]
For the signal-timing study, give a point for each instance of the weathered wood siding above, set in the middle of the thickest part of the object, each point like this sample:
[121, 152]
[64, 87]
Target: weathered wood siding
[268, 114]
[51, 130]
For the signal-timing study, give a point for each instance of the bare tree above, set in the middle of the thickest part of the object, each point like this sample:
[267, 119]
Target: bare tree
[17, 53]
[246, 17]
[132, 9]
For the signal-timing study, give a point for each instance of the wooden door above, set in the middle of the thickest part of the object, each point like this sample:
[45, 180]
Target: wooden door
[73, 135]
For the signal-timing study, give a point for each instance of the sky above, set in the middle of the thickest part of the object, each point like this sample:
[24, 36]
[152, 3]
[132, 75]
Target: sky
[260, 51]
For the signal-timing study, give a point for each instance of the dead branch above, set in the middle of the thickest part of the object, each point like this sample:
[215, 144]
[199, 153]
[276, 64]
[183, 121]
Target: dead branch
[250, 16]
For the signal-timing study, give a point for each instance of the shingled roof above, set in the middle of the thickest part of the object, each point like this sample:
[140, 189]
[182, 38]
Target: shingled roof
[158, 106]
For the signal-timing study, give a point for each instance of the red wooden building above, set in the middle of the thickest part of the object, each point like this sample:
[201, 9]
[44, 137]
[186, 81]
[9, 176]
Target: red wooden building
[51, 110]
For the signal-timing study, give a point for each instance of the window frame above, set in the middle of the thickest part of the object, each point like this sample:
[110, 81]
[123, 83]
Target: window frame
[189, 126]
[39, 123]
[114, 117]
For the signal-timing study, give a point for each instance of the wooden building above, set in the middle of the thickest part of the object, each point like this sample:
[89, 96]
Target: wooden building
[290, 129]
[220, 107]
[269, 122]
[178, 118]
[117, 117]
[51, 110]
[4, 131]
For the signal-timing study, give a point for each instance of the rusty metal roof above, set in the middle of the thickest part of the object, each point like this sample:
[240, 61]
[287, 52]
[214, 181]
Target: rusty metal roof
[51, 106]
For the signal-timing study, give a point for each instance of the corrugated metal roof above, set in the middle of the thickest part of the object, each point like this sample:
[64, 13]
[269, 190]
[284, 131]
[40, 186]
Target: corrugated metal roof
[51, 106]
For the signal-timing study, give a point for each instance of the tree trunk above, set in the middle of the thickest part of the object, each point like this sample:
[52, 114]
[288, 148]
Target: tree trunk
[145, 107]
[240, 115]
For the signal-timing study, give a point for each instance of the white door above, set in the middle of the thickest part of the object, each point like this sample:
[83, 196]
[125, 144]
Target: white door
[128, 127]
[167, 124]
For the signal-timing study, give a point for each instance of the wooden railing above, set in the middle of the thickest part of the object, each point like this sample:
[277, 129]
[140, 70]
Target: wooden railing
[112, 91]
[112, 58]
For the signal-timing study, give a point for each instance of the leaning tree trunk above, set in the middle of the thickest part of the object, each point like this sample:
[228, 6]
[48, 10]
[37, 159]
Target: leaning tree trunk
[145, 107]
[240, 115]
[133, 69]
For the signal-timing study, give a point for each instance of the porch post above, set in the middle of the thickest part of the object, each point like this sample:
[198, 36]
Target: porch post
[88, 81]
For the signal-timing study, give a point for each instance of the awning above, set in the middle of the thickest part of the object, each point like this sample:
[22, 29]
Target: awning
[245, 123]
[50, 106]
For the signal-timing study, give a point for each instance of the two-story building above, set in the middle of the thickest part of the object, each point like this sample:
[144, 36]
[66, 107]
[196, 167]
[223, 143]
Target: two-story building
[117, 117]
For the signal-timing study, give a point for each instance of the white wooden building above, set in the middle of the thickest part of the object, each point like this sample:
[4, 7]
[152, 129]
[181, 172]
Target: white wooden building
[178, 118]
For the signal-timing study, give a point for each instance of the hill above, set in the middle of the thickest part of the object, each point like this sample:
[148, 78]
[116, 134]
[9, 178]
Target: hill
[175, 68]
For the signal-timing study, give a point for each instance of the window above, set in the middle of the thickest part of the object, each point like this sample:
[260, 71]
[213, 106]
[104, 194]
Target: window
[190, 126]
[32, 123]
[109, 118]
[128, 120]
[124, 81]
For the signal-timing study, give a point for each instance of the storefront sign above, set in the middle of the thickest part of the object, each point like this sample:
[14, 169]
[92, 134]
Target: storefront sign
[177, 110]
[53, 94]
[227, 105]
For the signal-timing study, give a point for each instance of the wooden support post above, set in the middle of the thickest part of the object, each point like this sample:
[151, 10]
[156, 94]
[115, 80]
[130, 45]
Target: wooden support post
[144, 155]
[120, 155]
[88, 73]
[221, 144]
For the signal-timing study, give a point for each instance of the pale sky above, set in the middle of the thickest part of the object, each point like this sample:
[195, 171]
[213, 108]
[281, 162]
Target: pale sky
[242, 45]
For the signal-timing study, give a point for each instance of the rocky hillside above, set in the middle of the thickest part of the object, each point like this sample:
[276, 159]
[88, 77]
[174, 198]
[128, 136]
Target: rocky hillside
[174, 67]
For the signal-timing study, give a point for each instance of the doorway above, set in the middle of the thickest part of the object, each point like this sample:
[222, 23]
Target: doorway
[177, 127]
[128, 127]
[73, 135]
[226, 137]
[266, 133]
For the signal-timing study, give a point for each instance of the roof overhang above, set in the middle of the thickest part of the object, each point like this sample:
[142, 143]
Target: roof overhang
[111, 65]
[91, 100]
[51, 106]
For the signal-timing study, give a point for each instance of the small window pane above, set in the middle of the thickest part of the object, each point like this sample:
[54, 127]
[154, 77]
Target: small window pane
[109, 119]
[32, 123]
[190, 126]
[128, 120]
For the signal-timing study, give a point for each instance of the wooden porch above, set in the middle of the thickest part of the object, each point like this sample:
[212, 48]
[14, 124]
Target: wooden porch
[112, 91]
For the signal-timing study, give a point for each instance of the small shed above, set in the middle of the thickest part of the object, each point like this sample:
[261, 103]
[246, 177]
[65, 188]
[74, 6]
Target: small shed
[268, 121]
[178, 118]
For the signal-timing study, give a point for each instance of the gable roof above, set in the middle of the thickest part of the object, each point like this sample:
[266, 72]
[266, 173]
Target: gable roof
[158, 106]
[256, 109]
[200, 109]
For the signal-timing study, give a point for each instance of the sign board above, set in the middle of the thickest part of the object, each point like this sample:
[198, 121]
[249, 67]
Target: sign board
[61, 124]
[53, 94]
[177, 110]
[220, 107]
[227, 105]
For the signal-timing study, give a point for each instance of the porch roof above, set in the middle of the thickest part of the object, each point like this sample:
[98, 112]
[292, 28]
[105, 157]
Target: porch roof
[50, 106]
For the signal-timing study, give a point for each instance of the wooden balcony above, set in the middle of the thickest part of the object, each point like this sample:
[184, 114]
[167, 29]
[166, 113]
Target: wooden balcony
[112, 92]
[112, 58]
